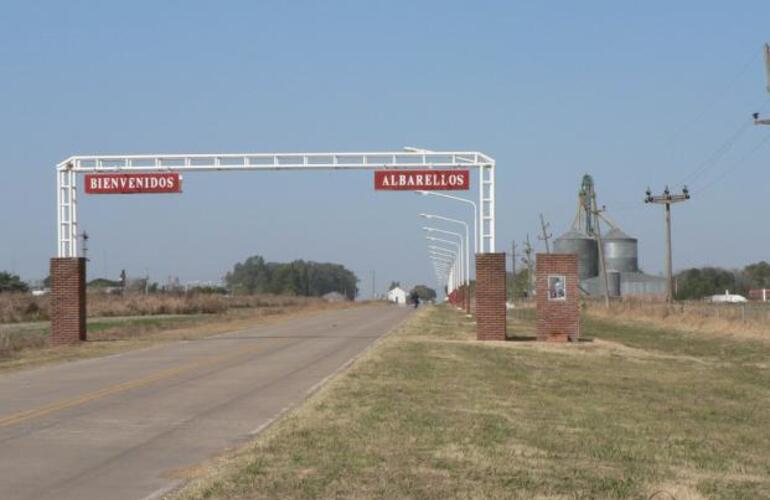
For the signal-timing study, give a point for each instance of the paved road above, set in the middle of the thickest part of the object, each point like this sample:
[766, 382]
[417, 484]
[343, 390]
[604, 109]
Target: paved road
[114, 427]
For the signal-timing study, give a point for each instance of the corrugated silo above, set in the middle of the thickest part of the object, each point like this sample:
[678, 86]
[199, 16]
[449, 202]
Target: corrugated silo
[620, 251]
[586, 248]
[613, 283]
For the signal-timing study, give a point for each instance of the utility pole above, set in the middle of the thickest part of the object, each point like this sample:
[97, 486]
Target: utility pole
[595, 210]
[757, 119]
[513, 258]
[84, 237]
[528, 261]
[374, 297]
[513, 270]
[668, 199]
[546, 235]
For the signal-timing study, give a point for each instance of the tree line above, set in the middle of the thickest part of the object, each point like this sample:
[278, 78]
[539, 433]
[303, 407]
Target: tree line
[305, 278]
[696, 283]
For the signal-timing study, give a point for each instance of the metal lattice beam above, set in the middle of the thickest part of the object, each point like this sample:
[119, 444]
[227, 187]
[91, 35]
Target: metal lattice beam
[413, 159]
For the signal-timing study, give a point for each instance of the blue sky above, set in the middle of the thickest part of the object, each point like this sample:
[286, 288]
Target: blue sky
[636, 95]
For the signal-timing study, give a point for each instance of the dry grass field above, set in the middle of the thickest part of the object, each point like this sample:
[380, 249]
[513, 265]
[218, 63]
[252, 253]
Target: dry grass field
[143, 320]
[751, 320]
[22, 307]
[429, 413]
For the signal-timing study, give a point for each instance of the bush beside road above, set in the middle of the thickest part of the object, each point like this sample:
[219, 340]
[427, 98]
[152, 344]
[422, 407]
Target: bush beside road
[641, 412]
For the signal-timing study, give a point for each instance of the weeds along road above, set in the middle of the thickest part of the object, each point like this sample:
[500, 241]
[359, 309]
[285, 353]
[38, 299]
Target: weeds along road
[125, 426]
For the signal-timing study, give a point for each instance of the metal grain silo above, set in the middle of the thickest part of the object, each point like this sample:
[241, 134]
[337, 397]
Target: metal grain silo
[620, 251]
[586, 248]
[613, 283]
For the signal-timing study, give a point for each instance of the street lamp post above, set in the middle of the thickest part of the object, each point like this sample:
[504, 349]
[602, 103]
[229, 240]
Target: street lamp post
[463, 243]
[446, 268]
[439, 254]
[445, 256]
[466, 292]
[463, 273]
[467, 239]
[463, 200]
[457, 244]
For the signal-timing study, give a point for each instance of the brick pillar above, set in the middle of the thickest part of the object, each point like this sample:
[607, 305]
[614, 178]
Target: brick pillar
[68, 300]
[468, 299]
[558, 315]
[490, 296]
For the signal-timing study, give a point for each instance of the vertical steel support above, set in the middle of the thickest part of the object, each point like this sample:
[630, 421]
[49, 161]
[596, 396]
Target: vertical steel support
[73, 214]
[66, 212]
[487, 211]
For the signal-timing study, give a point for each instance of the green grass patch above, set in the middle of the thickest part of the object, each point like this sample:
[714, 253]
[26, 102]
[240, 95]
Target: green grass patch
[432, 414]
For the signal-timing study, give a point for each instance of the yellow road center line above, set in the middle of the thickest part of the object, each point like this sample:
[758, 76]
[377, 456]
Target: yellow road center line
[22, 416]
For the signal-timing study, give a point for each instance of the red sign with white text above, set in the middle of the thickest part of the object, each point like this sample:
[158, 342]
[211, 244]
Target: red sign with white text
[133, 183]
[427, 180]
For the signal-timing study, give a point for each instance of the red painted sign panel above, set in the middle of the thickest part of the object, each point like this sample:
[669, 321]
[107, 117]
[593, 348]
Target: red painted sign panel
[133, 183]
[428, 180]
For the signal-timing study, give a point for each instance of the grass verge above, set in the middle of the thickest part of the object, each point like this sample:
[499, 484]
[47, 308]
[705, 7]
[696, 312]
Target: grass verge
[430, 413]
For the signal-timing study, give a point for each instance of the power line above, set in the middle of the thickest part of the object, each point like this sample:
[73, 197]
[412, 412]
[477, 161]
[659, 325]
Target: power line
[712, 102]
[716, 155]
[736, 165]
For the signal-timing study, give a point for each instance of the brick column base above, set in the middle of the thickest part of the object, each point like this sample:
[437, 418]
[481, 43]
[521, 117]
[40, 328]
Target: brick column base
[490, 296]
[68, 300]
[468, 299]
[558, 316]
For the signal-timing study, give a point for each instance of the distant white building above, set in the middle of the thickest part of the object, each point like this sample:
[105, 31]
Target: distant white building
[334, 297]
[397, 295]
[728, 298]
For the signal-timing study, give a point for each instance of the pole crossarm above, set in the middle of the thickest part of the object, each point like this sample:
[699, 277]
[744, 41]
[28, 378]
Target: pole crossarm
[413, 159]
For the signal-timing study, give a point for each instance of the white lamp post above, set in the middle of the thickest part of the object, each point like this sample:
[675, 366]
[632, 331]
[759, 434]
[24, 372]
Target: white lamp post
[467, 241]
[442, 252]
[466, 275]
[447, 267]
[459, 246]
[463, 200]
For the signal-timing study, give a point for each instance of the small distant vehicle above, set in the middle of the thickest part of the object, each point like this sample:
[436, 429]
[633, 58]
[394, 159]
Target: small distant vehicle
[728, 298]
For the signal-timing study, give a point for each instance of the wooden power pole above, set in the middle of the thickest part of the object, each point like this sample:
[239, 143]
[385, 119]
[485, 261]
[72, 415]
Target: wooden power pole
[668, 199]
[528, 261]
[513, 258]
[757, 119]
[602, 262]
[513, 270]
[546, 235]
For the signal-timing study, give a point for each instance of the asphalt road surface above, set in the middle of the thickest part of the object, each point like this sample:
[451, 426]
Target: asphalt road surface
[117, 427]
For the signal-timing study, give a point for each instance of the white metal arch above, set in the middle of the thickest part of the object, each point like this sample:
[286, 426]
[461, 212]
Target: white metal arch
[68, 170]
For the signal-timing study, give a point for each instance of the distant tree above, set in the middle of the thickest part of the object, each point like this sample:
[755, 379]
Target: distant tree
[697, 283]
[137, 285]
[424, 292]
[518, 285]
[394, 284]
[757, 275]
[103, 283]
[207, 290]
[11, 283]
[300, 277]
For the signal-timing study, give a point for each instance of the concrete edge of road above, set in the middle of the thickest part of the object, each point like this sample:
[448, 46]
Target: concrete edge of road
[178, 485]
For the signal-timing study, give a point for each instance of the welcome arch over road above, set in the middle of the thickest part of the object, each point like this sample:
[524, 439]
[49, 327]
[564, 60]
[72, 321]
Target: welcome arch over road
[68, 170]
[68, 304]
